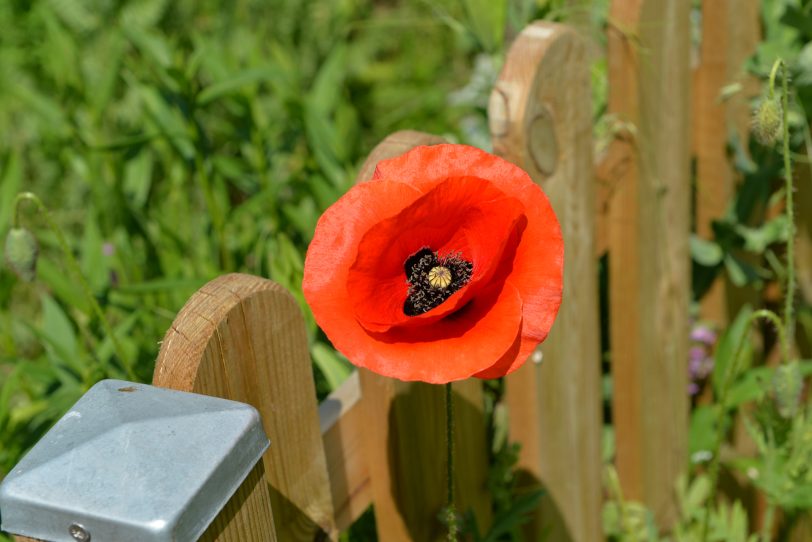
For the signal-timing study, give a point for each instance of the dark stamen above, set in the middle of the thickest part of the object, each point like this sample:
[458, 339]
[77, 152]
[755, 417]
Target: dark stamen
[425, 290]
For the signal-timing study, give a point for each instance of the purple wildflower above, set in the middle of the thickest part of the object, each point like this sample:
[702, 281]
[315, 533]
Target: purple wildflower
[703, 334]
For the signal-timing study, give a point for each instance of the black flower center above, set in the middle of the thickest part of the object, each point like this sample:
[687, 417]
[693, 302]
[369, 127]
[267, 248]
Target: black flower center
[433, 279]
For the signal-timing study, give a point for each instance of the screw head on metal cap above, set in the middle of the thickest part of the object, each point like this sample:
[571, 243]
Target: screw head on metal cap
[79, 533]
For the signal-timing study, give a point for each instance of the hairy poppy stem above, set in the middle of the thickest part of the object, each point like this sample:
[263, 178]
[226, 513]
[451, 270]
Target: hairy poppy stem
[449, 429]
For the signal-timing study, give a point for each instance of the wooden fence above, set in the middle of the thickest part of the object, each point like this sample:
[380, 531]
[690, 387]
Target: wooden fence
[380, 441]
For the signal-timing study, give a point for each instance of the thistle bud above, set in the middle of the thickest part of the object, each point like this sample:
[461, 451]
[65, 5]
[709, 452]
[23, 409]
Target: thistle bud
[21, 253]
[767, 121]
[787, 387]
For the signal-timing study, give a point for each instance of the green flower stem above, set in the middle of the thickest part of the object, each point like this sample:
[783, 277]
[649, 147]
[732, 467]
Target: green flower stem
[74, 267]
[789, 300]
[721, 402]
[449, 427]
[789, 311]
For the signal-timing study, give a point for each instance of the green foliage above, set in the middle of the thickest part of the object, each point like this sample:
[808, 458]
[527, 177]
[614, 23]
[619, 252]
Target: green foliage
[176, 141]
[783, 467]
[627, 521]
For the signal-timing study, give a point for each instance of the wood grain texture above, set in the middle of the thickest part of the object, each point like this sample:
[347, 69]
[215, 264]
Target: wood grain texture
[343, 430]
[243, 338]
[405, 436]
[404, 431]
[730, 35]
[540, 119]
[649, 88]
[245, 515]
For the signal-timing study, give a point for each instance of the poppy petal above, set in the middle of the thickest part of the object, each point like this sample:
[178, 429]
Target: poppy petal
[338, 232]
[511, 360]
[538, 262]
[460, 215]
[453, 349]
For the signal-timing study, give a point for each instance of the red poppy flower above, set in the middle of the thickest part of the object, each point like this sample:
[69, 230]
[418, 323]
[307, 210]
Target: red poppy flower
[447, 264]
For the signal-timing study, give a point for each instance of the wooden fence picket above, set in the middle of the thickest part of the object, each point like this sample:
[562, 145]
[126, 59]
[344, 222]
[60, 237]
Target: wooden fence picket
[242, 337]
[649, 266]
[343, 430]
[733, 37]
[540, 119]
[405, 430]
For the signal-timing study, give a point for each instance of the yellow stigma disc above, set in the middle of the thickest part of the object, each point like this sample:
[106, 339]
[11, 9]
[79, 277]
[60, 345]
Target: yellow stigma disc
[439, 277]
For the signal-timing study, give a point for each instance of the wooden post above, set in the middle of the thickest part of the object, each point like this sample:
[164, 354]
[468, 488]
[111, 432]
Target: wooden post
[405, 431]
[343, 430]
[730, 35]
[540, 119]
[649, 224]
[243, 338]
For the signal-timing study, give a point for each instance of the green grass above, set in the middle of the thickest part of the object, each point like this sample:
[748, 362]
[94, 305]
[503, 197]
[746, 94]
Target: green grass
[176, 141]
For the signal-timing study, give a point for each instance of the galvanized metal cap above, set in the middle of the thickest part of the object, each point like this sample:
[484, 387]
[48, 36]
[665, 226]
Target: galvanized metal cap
[133, 463]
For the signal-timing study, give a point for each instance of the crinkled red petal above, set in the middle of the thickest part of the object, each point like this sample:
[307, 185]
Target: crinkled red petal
[511, 360]
[456, 347]
[464, 215]
[335, 244]
[537, 271]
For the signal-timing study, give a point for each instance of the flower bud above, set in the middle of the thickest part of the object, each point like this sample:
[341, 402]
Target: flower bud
[787, 387]
[21, 253]
[767, 121]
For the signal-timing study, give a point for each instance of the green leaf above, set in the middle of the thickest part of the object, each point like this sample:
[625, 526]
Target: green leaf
[799, 19]
[143, 13]
[323, 142]
[328, 86]
[758, 239]
[9, 387]
[58, 333]
[334, 369]
[702, 429]
[750, 386]
[105, 350]
[704, 252]
[234, 83]
[740, 272]
[77, 14]
[698, 493]
[486, 19]
[723, 357]
[138, 178]
[151, 44]
[515, 516]
[62, 285]
[169, 121]
[10, 185]
[94, 264]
